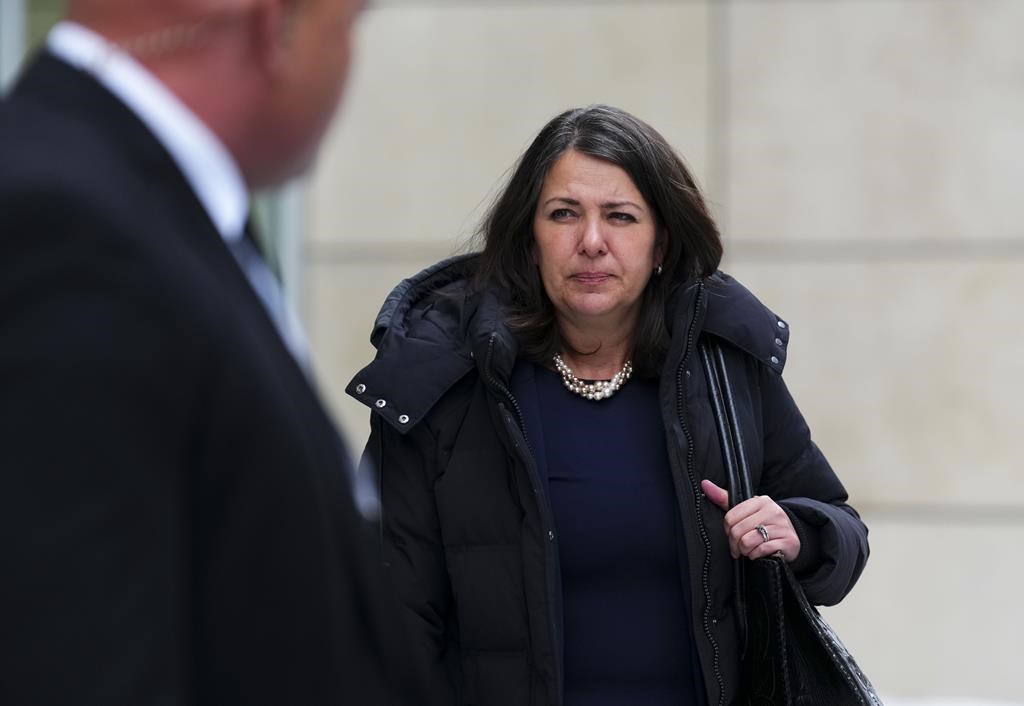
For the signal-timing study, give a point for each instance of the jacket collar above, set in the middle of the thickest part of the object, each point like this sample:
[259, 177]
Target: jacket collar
[735, 315]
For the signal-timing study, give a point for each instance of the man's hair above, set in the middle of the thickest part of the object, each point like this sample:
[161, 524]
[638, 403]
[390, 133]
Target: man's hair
[686, 232]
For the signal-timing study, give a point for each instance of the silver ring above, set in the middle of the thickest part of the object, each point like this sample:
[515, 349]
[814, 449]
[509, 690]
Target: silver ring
[763, 532]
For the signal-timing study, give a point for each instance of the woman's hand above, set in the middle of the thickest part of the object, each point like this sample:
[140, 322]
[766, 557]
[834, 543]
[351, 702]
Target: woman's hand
[742, 523]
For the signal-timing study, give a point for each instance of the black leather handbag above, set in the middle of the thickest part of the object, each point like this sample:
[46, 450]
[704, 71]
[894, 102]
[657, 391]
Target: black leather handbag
[789, 654]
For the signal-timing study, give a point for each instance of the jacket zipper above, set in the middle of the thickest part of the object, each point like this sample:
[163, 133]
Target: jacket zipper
[517, 426]
[681, 389]
[505, 392]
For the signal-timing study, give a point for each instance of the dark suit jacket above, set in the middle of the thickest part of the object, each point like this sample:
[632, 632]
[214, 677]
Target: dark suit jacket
[176, 519]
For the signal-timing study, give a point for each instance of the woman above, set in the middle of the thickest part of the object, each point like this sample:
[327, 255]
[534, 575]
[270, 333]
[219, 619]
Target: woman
[550, 470]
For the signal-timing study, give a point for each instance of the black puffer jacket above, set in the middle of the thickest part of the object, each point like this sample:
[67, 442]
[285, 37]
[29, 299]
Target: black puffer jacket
[467, 532]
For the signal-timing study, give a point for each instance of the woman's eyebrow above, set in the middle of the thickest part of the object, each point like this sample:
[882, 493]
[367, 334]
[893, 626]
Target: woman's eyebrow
[563, 199]
[620, 204]
[605, 205]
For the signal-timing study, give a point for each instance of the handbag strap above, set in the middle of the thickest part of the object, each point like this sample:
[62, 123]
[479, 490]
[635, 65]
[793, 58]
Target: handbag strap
[723, 405]
[734, 458]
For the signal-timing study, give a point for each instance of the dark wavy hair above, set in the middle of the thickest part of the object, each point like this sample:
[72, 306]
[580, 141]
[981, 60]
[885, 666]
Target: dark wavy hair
[687, 234]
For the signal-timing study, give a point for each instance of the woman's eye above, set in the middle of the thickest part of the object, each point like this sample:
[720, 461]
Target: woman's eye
[623, 217]
[561, 214]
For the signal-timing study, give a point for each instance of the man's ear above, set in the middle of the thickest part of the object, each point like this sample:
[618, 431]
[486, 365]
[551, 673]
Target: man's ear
[271, 26]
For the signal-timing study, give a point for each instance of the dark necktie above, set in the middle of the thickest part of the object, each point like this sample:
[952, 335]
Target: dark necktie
[249, 257]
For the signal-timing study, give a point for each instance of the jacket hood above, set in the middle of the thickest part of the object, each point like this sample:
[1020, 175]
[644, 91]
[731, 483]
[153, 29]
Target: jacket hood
[433, 329]
[422, 344]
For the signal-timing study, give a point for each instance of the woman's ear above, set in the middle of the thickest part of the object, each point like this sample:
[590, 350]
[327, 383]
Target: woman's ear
[660, 244]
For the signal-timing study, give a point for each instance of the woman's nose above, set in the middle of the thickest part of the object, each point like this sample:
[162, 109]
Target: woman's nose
[592, 242]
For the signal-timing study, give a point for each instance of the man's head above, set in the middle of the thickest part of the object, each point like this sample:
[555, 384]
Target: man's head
[310, 48]
[265, 75]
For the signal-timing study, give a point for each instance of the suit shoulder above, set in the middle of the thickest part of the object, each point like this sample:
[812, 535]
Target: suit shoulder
[44, 151]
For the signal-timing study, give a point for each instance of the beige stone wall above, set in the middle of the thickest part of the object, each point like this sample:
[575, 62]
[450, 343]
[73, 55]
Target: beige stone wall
[866, 160]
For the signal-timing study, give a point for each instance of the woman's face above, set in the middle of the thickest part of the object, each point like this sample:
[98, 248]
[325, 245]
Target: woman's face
[595, 243]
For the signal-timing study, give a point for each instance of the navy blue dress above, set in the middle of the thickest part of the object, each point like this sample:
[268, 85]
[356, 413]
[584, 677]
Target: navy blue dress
[625, 606]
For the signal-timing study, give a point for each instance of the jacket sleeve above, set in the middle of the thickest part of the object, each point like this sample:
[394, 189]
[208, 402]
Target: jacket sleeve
[413, 554]
[833, 539]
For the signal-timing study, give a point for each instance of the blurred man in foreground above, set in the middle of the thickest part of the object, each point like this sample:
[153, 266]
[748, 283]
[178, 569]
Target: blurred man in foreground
[176, 515]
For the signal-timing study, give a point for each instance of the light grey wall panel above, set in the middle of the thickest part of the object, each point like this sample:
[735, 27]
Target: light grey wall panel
[909, 374]
[937, 613]
[874, 120]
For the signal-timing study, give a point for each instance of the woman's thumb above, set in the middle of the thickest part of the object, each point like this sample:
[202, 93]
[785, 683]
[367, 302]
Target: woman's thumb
[719, 496]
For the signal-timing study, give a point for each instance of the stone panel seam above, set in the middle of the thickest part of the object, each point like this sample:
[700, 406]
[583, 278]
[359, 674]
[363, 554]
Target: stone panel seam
[781, 251]
[929, 514]
[877, 250]
[719, 108]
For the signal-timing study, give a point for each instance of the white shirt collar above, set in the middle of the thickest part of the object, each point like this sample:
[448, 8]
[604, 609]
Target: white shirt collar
[206, 163]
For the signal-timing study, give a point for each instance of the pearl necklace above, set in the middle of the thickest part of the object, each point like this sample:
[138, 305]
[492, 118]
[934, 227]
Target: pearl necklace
[597, 390]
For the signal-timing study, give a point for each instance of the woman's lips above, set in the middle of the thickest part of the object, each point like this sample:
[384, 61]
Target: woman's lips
[591, 277]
